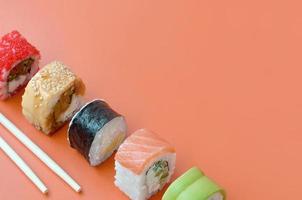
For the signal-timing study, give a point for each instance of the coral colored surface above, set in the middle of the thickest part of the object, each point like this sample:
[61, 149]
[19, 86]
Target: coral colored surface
[221, 80]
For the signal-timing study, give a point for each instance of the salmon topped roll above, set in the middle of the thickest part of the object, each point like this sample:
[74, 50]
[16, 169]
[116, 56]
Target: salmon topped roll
[19, 61]
[144, 163]
[52, 97]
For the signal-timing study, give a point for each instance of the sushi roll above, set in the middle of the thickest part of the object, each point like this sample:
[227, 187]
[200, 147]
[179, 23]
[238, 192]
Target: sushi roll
[52, 97]
[96, 131]
[194, 185]
[144, 163]
[18, 63]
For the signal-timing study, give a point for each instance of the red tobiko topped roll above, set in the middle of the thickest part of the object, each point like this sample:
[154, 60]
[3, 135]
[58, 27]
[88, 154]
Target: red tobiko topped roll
[18, 63]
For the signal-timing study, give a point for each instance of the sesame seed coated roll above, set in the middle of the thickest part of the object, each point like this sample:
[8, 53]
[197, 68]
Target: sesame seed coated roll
[52, 97]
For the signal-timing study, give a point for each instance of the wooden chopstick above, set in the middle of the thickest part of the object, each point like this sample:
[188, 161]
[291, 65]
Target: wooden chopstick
[22, 165]
[39, 153]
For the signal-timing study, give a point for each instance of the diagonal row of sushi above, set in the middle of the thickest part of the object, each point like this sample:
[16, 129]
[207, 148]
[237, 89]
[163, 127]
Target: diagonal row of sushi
[54, 95]
[144, 162]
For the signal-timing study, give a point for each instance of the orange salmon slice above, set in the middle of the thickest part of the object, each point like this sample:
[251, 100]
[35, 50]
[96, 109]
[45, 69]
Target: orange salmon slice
[140, 148]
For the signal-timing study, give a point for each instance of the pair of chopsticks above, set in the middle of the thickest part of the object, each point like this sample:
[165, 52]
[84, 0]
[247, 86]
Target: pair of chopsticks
[22, 165]
[38, 152]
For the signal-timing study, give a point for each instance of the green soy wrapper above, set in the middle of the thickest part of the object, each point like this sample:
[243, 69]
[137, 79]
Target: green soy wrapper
[202, 189]
[194, 185]
[181, 183]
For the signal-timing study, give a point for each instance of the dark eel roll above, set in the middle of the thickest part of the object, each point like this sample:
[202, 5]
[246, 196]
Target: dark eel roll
[96, 131]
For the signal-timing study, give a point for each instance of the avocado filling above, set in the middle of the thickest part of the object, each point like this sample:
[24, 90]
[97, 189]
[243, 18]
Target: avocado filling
[63, 103]
[61, 106]
[22, 68]
[157, 175]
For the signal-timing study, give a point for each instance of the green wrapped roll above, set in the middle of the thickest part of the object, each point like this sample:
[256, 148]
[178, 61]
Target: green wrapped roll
[194, 185]
[182, 183]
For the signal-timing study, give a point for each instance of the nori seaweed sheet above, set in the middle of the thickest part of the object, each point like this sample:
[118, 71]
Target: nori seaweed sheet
[87, 123]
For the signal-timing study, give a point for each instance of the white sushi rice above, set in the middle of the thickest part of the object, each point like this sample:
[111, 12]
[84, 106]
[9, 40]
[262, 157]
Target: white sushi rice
[216, 196]
[14, 84]
[107, 140]
[139, 187]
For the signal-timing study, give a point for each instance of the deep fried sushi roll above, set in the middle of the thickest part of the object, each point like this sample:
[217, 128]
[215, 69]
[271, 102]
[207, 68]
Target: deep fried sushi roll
[52, 97]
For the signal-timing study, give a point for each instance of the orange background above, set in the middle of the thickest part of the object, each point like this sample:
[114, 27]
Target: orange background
[221, 80]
